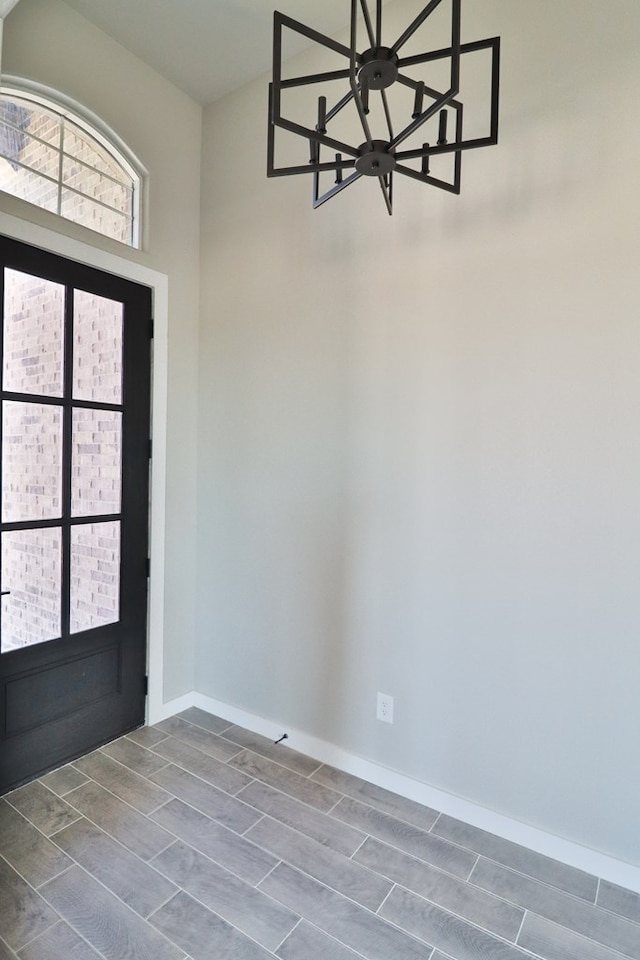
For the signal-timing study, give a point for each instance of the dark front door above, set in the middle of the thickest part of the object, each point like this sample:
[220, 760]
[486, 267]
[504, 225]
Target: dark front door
[74, 467]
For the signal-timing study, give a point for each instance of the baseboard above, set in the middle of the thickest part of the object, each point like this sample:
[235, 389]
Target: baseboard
[573, 854]
[158, 711]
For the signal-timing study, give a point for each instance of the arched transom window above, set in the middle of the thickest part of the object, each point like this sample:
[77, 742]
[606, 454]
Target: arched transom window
[53, 158]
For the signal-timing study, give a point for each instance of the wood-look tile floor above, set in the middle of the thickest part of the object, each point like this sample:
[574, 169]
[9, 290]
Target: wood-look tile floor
[197, 839]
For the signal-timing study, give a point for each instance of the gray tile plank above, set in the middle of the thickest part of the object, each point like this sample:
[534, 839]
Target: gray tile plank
[60, 942]
[134, 756]
[129, 877]
[552, 942]
[279, 753]
[378, 797]
[406, 837]
[583, 918]
[201, 765]
[6, 953]
[443, 930]
[618, 900]
[308, 943]
[365, 932]
[24, 915]
[44, 809]
[512, 855]
[120, 821]
[206, 798]
[457, 896]
[122, 782]
[111, 927]
[208, 721]
[23, 846]
[202, 934]
[249, 910]
[203, 740]
[321, 863]
[301, 788]
[319, 826]
[238, 855]
[64, 780]
[146, 736]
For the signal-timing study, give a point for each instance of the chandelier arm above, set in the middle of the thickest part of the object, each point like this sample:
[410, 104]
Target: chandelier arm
[337, 188]
[387, 192]
[353, 57]
[328, 167]
[495, 88]
[348, 97]
[491, 43]
[437, 150]
[409, 82]
[368, 23]
[271, 136]
[430, 91]
[312, 134]
[310, 78]
[426, 178]
[417, 123]
[361, 112]
[385, 103]
[425, 175]
[419, 20]
[282, 20]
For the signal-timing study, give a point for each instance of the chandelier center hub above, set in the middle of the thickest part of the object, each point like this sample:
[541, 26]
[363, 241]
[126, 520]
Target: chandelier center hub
[378, 68]
[375, 159]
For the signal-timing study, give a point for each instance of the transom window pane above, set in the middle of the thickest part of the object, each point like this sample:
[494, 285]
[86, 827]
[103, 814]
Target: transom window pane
[54, 162]
[92, 153]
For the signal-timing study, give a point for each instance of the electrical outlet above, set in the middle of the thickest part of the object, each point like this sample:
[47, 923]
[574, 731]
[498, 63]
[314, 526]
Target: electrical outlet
[385, 708]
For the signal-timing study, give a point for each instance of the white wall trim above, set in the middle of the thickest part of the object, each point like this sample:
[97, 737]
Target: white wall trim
[162, 711]
[573, 854]
[75, 250]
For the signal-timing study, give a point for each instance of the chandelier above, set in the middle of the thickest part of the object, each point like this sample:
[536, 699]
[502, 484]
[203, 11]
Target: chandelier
[380, 139]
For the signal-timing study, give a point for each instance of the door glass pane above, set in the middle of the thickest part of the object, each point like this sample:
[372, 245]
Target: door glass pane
[31, 461]
[95, 575]
[33, 334]
[97, 348]
[96, 462]
[31, 571]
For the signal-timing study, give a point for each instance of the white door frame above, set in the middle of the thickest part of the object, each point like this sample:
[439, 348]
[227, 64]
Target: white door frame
[76, 250]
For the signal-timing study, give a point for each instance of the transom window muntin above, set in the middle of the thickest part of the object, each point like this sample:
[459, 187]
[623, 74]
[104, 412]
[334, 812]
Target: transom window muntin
[52, 157]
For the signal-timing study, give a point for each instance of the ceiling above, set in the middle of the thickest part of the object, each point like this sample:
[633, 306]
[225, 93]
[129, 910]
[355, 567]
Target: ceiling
[206, 47]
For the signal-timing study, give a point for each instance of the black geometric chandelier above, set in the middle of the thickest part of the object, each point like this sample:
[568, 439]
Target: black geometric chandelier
[380, 126]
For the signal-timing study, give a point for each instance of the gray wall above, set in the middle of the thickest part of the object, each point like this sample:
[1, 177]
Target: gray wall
[419, 458]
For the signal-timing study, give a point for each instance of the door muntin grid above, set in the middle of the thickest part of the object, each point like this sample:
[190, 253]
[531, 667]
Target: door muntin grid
[61, 451]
